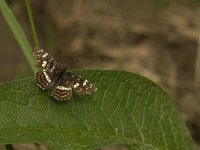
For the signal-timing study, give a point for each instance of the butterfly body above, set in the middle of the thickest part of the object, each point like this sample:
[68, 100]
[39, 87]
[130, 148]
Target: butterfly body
[58, 80]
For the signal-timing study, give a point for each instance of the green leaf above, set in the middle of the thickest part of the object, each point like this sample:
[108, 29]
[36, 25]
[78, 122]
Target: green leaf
[126, 109]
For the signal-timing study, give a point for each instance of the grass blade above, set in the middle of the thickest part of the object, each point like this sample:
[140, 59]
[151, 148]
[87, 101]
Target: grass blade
[18, 32]
[9, 147]
[30, 16]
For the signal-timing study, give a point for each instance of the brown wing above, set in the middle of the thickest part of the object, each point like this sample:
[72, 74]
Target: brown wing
[43, 79]
[62, 92]
[43, 59]
[82, 86]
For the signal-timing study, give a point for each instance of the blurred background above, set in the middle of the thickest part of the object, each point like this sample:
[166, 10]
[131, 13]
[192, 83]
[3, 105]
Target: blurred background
[158, 39]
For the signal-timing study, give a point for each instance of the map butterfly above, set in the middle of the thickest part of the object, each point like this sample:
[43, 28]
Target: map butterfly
[57, 79]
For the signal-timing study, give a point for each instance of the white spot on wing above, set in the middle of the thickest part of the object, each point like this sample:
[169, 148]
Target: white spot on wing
[44, 55]
[47, 76]
[44, 63]
[76, 85]
[85, 82]
[63, 88]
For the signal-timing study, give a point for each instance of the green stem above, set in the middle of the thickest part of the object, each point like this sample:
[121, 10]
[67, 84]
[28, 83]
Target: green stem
[9, 147]
[18, 33]
[37, 146]
[31, 21]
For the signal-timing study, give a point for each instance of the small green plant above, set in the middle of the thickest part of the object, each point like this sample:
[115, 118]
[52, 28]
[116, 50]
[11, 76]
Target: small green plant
[127, 109]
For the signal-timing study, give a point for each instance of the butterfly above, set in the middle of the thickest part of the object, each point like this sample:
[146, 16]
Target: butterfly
[60, 81]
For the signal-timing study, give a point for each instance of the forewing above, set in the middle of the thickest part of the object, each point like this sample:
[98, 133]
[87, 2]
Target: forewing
[43, 79]
[62, 92]
[82, 86]
[43, 59]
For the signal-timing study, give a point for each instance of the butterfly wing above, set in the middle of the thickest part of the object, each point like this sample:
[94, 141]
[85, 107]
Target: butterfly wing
[62, 92]
[63, 88]
[43, 79]
[82, 86]
[43, 59]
